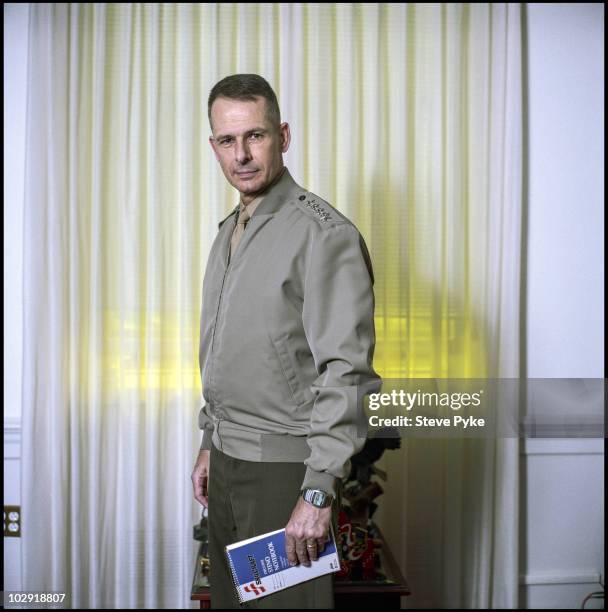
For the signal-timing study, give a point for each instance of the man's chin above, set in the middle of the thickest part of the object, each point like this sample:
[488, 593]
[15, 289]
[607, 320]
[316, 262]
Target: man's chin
[246, 186]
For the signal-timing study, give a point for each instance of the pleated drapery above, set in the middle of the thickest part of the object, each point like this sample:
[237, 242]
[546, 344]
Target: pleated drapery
[407, 118]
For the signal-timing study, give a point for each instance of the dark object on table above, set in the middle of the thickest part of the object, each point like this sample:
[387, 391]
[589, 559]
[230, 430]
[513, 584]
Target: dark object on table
[361, 463]
[203, 567]
[358, 540]
[357, 558]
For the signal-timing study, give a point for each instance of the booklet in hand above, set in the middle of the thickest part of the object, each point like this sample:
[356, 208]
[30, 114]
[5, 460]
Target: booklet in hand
[260, 566]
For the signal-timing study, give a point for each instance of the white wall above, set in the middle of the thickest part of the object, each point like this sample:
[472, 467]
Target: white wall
[15, 62]
[562, 507]
[566, 191]
[562, 500]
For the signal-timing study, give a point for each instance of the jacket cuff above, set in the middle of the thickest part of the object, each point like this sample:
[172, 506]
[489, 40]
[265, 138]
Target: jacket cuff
[206, 442]
[320, 480]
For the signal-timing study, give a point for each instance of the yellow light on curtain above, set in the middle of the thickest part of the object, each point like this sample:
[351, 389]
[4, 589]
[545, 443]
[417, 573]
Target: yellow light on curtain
[379, 129]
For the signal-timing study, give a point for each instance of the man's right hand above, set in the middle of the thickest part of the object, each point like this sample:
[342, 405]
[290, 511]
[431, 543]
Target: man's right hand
[200, 477]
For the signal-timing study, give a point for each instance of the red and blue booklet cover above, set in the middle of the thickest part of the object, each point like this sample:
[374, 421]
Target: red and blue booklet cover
[260, 566]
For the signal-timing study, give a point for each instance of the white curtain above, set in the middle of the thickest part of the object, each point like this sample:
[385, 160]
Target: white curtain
[451, 507]
[120, 213]
[405, 117]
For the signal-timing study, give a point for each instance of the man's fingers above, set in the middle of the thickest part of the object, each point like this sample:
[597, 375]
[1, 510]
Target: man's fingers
[205, 494]
[311, 549]
[290, 550]
[317, 549]
[302, 553]
[200, 490]
[304, 550]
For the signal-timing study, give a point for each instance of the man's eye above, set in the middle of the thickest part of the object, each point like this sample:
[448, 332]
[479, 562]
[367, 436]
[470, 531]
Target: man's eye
[228, 141]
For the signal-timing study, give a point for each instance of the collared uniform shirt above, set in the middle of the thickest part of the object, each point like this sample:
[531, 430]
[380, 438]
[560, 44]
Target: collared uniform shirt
[250, 209]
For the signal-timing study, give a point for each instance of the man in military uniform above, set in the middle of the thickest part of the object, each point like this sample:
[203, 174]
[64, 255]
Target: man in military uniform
[286, 341]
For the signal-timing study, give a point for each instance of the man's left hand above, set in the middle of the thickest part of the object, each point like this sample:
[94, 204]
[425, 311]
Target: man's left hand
[306, 533]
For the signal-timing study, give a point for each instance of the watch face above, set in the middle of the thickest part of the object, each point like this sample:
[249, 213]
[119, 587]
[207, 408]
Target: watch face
[317, 497]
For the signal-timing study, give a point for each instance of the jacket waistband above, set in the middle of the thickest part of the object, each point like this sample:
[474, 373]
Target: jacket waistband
[251, 446]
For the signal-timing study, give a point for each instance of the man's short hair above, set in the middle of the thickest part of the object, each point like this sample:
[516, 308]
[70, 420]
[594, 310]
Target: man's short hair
[246, 87]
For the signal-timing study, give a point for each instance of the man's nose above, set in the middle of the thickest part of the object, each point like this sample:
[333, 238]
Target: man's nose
[242, 152]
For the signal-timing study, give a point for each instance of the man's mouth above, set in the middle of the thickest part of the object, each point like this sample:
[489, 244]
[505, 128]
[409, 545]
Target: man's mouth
[246, 172]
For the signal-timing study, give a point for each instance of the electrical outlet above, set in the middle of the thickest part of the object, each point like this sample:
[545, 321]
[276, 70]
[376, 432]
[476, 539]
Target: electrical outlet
[12, 521]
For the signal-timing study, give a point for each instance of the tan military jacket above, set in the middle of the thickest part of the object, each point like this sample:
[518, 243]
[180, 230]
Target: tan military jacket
[287, 336]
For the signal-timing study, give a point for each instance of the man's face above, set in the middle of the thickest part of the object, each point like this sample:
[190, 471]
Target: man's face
[247, 146]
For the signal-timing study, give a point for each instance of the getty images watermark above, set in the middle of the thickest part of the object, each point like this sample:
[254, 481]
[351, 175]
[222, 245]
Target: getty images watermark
[505, 407]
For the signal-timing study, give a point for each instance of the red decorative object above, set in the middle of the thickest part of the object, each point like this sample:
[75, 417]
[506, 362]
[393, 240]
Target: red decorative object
[356, 549]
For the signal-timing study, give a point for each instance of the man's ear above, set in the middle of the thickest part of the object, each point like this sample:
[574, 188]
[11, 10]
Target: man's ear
[285, 137]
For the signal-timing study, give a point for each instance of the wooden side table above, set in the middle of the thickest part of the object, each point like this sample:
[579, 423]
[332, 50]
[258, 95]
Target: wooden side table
[351, 595]
[374, 595]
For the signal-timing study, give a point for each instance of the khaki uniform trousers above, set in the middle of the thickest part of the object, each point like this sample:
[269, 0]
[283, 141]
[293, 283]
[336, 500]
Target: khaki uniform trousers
[246, 499]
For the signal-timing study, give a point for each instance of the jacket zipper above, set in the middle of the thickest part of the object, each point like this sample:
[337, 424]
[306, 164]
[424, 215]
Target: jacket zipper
[217, 314]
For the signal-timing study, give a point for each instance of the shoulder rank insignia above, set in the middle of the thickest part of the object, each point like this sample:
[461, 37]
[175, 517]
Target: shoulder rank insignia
[316, 208]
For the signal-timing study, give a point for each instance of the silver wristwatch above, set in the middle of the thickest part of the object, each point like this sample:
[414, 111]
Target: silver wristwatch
[318, 498]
